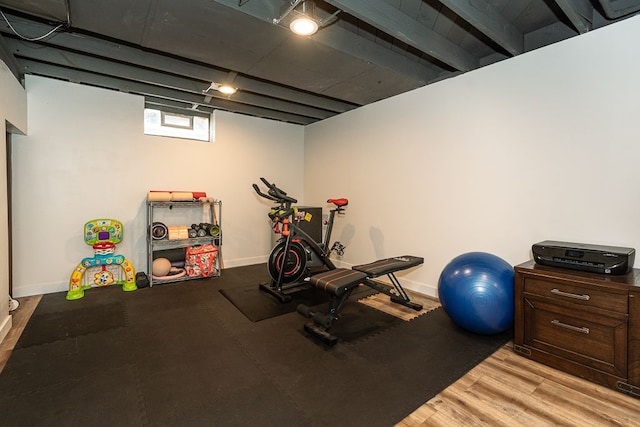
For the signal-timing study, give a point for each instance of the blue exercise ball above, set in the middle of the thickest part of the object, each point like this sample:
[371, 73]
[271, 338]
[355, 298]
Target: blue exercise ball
[476, 291]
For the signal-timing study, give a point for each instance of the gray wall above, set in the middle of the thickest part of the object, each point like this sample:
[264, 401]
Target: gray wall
[86, 157]
[541, 146]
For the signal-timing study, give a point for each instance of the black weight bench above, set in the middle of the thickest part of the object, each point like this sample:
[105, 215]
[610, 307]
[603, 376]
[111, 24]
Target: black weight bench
[341, 282]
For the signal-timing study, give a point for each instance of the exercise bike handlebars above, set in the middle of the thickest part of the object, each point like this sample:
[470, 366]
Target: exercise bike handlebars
[261, 194]
[274, 193]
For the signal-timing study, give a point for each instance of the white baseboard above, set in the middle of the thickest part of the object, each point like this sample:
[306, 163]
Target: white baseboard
[48, 288]
[241, 262]
[39, 289]
[421, 288]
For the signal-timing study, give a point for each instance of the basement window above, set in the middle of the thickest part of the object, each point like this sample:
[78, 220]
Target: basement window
[177, 125]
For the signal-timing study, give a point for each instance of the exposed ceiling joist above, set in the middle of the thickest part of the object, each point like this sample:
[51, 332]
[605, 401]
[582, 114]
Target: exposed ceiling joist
[127, 86]
[387, 18]
[177, 53]
[10, 61]
[143, 58]
[70, 59]
[151, 101]
[579, 12]
[490, 23]
[614, 9]
[338, 38]
[51, 10]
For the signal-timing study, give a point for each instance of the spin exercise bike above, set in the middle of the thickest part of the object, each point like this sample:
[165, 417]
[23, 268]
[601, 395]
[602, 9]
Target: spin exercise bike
[296, 253]
[292, 261]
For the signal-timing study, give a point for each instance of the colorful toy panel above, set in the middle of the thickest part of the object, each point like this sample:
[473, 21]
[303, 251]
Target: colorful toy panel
[104, 267]
[103, 230]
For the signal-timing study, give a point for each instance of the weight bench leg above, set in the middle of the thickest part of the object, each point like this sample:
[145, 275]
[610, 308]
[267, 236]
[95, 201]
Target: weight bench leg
[321, 324]
[399, 297]
[325, 320]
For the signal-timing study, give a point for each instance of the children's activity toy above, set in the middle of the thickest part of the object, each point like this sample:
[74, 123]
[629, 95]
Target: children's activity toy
[296, 252]
[104, 267]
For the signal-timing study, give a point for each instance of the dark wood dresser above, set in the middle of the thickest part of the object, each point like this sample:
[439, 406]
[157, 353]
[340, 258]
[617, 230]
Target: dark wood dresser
[582, 323]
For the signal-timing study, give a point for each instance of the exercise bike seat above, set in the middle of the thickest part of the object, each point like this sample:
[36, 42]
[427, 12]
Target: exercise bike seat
[339, 202]
[339, 281]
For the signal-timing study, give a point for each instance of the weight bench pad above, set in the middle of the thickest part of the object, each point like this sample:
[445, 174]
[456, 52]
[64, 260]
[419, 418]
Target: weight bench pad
[337, 281]
[389, 265]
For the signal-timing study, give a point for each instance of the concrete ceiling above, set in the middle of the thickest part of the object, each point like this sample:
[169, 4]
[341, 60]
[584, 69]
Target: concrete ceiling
[366, 50]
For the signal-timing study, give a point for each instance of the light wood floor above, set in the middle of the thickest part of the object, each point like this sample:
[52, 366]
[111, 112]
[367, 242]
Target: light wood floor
[504, 390]
[20, 317]
[510, 390]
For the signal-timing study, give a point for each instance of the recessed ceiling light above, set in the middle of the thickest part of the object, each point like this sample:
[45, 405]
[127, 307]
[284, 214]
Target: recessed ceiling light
[304, 26]
[227, 89]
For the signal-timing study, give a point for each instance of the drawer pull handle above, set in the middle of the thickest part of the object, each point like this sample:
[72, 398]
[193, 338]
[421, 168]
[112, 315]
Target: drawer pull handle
[582, 330]
[583, 297]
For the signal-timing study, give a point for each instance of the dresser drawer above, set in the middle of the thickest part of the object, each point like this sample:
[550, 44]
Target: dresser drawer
[584, 295]
[595, 341]
[583, 323]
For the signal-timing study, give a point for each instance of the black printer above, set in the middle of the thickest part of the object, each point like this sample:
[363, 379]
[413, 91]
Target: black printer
[584, 257]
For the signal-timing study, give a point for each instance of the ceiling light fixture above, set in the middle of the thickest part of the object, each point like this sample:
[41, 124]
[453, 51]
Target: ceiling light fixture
[304, 25]
[222, 88]
[303, 21]
[227, 89]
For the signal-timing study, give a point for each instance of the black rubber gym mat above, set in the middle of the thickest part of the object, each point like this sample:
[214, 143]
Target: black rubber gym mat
[257, 305]
[358, 321]
[76, 320]
[182, 354]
